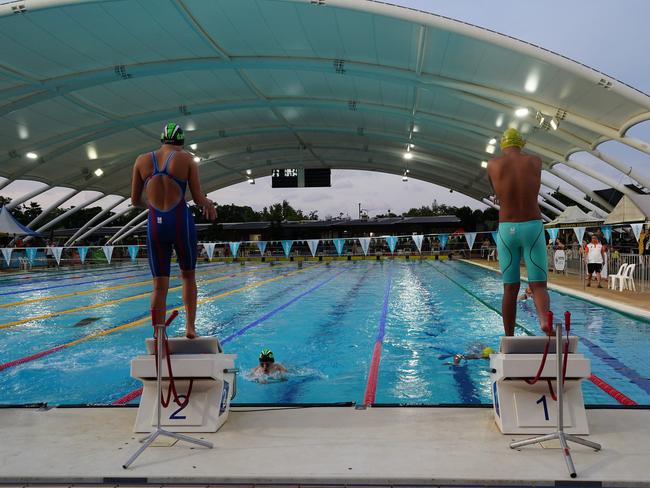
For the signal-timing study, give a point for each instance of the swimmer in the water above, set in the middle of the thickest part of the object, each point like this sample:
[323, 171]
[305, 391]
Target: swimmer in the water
[268, 366]
[458, 358]
[528, 293]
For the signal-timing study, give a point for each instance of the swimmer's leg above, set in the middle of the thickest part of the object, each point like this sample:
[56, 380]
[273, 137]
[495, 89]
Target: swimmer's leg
[509, 252]
[159, 299]
[509, 307]
[537, 266]
[189, 299]
[542, 302]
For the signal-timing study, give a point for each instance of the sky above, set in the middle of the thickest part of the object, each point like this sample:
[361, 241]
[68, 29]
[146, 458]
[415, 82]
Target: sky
[609, 36]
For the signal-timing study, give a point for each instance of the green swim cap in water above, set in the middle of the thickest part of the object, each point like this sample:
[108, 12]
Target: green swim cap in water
[512, 137]
[266, 356]
[172, 134]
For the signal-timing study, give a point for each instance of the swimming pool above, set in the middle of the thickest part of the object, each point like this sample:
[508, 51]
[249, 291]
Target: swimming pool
[68, 337]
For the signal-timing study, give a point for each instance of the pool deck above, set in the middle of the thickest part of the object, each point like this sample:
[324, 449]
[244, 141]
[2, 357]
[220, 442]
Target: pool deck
[317, 446]
[635, 303]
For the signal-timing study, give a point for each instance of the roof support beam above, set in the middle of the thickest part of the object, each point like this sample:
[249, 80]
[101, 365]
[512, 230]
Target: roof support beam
[580, 201]
[140, 216]
[53, 206]
[105, 222]
[128, 233]
[553, 200]
[584, 168]
[551, 208]
[68, 213]
[23, 198]
[93, 220]
[582, 187]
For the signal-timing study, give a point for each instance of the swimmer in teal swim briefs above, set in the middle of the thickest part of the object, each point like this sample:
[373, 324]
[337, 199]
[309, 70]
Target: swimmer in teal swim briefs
[516, 179]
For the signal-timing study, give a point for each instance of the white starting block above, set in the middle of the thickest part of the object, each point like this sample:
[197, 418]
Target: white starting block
[520, 408]
[200, 361]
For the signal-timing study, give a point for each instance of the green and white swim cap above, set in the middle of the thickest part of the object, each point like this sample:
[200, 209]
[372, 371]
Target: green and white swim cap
[172, 134]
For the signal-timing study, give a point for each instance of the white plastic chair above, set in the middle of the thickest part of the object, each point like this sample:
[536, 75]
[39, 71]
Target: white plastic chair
[492, 255]
[627, 281]
[613, 278]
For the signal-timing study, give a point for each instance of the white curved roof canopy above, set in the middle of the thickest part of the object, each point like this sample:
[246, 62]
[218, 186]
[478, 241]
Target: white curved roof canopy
[261, 84]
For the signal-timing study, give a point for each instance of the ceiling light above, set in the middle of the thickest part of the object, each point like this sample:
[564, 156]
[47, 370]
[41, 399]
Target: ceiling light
[408, 155]
[193, 147]
[531, 83]
[490, 148]
[553, 123]
[521, 112]
[248, 172]
[483, 164]
[91, 151]
[197, 159]
[492, 141]
[499, 121]
[31, 155]
[99, 172]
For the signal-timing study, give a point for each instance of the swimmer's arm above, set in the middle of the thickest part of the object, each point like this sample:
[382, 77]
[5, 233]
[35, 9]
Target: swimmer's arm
[281, 368]
[136, 187]
[209, 210]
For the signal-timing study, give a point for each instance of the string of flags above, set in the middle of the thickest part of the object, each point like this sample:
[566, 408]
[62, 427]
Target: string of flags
[313, 244]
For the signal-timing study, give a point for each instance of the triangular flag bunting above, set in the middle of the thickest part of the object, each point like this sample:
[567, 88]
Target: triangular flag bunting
[209, 248]
[418, 241]
[261, 245]
[83, 252]
[553, 234]
[234, 247]
[392, 242]
[580, 233]
[338, 244]
[636, 228]
[313, 245]
[286, 245]
[443, 240]
[607, 233]
[31, 254]
[108, 252]
[365, 244]
[56, 252]
[133, 251]
[470, 237]
[6, 253]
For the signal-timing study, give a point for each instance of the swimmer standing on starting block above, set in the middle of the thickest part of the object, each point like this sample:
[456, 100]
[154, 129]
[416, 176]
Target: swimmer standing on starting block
[516, 178]
[164, 175]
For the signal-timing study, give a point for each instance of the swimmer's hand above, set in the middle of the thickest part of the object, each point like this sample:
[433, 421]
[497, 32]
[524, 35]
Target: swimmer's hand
[209, 210]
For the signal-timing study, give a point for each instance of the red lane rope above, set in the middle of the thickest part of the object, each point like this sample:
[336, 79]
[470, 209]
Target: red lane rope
[128, 397]
[26, 359]
[610, 390]
[371, 385]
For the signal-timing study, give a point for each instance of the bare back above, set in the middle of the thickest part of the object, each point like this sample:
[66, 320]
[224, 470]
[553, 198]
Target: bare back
[162, 191]
[516, 179]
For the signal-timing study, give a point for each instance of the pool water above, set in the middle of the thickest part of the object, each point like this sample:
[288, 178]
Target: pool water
[67, 337]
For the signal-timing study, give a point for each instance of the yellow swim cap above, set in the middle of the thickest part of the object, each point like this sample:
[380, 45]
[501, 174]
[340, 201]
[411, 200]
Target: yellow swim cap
[486, 352]
[512, 137]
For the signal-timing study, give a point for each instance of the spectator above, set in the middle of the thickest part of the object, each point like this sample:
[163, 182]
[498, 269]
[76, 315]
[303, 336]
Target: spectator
[595, 259]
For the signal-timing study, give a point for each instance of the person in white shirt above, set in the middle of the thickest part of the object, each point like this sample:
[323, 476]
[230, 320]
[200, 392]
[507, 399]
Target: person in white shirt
[595, 257]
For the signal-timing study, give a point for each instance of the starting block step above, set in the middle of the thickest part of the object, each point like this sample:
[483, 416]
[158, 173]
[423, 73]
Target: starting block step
[520, 408]
[204, 377]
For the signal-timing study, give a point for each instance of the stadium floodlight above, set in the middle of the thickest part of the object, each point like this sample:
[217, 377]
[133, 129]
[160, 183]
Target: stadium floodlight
[99, 172]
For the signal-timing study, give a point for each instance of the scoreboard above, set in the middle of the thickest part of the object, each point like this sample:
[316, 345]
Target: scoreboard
[301, 178]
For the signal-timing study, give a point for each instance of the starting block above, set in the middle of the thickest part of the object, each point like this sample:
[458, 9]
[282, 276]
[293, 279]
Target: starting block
[199, 363]
[521, 408]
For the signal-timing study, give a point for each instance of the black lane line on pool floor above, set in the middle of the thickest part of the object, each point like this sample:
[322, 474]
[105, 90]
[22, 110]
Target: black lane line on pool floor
[67, 285]
[469, 393]
[341, 309]
[66, 345]
[132, 394]
[630, 373]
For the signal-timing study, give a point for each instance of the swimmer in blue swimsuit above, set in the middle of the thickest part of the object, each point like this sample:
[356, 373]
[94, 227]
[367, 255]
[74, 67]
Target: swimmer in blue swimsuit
[516, 179]
[170, 223]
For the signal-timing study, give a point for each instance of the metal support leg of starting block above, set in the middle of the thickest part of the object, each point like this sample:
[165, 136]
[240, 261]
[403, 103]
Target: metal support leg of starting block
[160, 329]
[559, 434]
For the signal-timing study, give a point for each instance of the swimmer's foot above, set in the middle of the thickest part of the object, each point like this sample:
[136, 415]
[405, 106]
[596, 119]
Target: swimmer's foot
[546, 331]
[190, 333]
